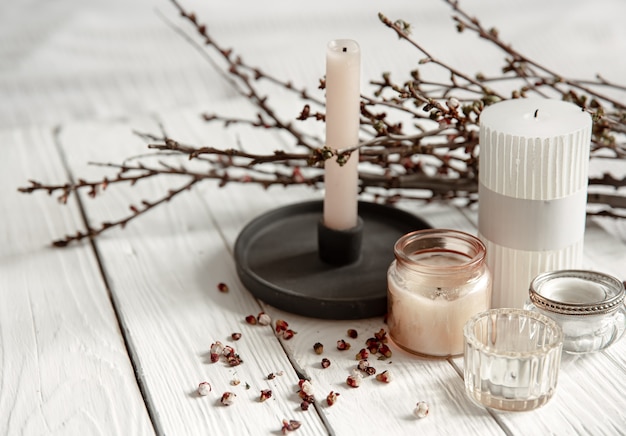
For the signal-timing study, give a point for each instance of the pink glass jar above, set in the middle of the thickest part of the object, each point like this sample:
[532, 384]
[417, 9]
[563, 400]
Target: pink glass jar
[438, 281]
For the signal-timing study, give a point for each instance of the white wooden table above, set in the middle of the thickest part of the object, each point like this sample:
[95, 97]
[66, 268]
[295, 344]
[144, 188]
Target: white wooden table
[113, 337]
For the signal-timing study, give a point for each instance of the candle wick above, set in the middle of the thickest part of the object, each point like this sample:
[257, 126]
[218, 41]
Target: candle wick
[536, 113]
[345, 49]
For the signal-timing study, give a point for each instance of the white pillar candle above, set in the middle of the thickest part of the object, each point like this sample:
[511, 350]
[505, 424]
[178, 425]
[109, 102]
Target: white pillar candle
[534, 159]
[343, 82]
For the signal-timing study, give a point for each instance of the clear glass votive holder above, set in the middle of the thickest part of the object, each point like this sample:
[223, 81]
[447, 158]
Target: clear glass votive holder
[512, 358]
[588, 305]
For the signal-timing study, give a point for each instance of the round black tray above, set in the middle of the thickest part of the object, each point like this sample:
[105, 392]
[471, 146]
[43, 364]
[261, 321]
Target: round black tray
[278, 262]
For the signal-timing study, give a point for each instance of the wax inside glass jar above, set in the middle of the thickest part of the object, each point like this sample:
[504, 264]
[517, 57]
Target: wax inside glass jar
[572, 290]
[442, 284]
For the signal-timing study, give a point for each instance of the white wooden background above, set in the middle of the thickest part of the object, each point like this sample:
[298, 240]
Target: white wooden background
[113, 338]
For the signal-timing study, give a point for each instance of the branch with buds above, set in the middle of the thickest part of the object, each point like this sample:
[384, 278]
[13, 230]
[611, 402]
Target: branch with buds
[435, 159]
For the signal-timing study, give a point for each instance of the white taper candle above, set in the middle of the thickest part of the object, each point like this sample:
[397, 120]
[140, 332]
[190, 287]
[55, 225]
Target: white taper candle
[343, 83]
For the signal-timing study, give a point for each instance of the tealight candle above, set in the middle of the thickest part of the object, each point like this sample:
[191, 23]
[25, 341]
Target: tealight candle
[534, 158]
[343, 63]
[512, 359]
[588, 305]
[437, 282]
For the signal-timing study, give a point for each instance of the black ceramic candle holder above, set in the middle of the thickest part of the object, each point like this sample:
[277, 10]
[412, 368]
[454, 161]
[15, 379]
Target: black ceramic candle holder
[290, 260]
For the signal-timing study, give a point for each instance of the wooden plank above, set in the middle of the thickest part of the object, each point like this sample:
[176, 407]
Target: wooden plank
[164, 270]
[63, 363]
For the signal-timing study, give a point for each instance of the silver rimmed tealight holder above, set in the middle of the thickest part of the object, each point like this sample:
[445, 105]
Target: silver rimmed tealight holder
[512, 359]
[588, 305]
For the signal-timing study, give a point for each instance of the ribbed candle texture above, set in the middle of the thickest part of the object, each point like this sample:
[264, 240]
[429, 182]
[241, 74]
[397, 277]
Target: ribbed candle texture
[534, 159]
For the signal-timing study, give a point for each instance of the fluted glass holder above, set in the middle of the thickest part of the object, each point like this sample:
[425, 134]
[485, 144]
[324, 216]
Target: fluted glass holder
[512, 359]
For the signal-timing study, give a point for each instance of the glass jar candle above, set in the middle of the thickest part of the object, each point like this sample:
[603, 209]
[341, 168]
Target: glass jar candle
[588, 305]
[438, 280]
[512, 359]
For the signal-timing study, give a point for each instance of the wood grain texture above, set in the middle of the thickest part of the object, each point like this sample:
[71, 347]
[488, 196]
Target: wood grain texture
[164, 273]
[63, 364]
[164, 269]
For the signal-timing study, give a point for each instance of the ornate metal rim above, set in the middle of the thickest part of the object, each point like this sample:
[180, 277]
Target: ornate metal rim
[609, 305]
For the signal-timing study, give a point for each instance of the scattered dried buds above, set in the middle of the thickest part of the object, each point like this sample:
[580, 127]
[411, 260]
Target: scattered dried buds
[228, 351]
[204, 388]
[385, 350]
[332, 398]
[378, 344]
[363, 364]
[217, 347]
[384, 377]
[281, 325]
[363, 354]
[236, 336]
[288, 334]
[228, 398]
[352, 333]
[251, 319]
[325, 363]
[305, 386]
[234, 360]
[421, 409]
[266, 394]
[222, 287]
[306, 403]
[343, 345]
[381, 336]
[271, 376]
[306, 394]
[290, 425]
[215, 351]
[264, 319]
[372, 345]
[318, 348]
[354, 380]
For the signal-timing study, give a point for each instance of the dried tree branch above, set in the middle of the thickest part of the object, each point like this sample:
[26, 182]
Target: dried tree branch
[419, 138]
